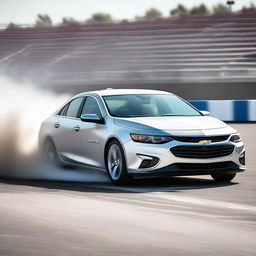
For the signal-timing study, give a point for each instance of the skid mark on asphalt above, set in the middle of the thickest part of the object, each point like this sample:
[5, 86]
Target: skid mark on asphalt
[205, 202]
[157, 206]
[188, 200]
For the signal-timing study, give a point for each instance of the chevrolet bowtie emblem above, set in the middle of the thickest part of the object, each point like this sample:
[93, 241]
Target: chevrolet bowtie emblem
[204, 142]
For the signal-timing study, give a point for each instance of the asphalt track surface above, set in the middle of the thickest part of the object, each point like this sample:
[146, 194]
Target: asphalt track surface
[174, 216]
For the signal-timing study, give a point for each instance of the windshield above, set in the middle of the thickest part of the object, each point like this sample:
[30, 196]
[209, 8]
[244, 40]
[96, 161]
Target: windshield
[148, 105]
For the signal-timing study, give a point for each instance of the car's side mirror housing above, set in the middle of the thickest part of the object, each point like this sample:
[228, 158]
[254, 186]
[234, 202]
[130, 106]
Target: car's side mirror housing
[92, 118]
[205, 113]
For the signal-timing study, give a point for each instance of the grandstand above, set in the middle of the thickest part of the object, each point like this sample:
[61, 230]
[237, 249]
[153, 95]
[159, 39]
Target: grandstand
[214, 54]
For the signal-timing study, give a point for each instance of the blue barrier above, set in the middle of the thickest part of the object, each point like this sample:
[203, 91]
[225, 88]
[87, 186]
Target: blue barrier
[241, 110]
[229, 110]
[199, 104]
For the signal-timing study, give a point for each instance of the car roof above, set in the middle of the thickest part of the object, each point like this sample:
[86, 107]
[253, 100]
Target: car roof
[111, 91]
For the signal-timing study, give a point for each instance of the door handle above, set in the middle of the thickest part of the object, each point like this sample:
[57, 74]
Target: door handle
[56, 124]
[77, 128]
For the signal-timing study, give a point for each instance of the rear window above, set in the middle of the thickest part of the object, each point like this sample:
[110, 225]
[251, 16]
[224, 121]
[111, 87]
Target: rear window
[74, 107]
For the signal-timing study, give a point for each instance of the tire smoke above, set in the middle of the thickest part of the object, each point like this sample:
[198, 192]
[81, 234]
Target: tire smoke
[23, 108]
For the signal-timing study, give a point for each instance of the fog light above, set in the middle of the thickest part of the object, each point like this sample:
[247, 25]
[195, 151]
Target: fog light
[148, 161]
[242, 158]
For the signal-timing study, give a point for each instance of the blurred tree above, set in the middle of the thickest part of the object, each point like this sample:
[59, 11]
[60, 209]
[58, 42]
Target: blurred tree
[153, 13]
[100, 17]
[220, 8]
[43, 20]
[250, 7]
[201, 9]
[179, 10]
[137, 17]
[12, 25]
[69, 21]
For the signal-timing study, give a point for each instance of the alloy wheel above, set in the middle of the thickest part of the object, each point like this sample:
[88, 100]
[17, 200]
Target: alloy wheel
[115, 162]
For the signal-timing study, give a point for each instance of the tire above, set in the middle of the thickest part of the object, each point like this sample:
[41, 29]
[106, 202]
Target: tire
[223, 177]
[50, 155]
[116, 164]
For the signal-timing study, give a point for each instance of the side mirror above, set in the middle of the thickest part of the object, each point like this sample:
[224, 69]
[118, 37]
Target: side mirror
[205, 113]
[92, 118]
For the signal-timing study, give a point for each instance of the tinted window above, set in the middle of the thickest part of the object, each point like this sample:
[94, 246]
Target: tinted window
[91, 107]
[63, 110]
[74, 107]
[136, 105]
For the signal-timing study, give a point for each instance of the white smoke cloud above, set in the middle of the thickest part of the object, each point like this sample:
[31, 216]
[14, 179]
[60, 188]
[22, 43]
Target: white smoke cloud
[23, 108]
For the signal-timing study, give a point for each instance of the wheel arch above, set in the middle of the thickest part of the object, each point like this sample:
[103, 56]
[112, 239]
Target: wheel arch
[48, 138]
[106, 147]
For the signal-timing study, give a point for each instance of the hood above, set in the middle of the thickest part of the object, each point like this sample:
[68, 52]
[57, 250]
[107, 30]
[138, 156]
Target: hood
[176, 125]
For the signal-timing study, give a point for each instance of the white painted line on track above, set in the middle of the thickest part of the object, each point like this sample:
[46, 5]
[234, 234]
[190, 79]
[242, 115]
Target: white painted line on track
[14, 54]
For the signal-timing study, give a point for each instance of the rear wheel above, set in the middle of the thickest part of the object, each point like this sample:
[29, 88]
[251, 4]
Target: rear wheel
[50, 155]
[116, 164]
[223, 177]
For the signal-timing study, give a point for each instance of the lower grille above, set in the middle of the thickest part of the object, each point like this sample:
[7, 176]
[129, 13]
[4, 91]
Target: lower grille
[202, 151]
[210, 166]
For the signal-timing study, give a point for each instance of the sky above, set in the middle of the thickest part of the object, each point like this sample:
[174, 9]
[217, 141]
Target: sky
[25, 11]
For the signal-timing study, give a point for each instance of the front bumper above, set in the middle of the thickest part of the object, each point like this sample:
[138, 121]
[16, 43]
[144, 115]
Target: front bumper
[201, 169]
[169, 164]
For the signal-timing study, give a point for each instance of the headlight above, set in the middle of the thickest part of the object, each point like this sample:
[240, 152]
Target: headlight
[153, 139]
[235, 138]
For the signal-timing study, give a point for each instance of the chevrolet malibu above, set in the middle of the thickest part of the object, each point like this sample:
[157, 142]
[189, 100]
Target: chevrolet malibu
[141, 133]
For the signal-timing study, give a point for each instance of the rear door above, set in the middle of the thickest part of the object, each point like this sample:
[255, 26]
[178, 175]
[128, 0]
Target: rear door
[65, 128]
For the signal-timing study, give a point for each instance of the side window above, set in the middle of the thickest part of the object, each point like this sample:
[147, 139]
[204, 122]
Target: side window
[74, 106]
[91, 107]
[63, 110]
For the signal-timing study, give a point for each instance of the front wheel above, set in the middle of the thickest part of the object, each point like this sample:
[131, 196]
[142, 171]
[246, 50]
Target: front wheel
[116, 164]
[223, 177]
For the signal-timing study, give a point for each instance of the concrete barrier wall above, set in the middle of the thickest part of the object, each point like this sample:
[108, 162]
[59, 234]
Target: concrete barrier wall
[229, 110]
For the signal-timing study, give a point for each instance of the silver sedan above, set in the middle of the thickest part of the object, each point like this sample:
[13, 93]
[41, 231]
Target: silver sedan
[141, 132]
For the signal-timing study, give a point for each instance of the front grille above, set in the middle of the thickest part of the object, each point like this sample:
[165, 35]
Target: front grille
[210, 166]
[197, 139]
[202, 151]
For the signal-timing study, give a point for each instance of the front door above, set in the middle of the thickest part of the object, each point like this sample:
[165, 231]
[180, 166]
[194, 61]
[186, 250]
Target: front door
[89, 149]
